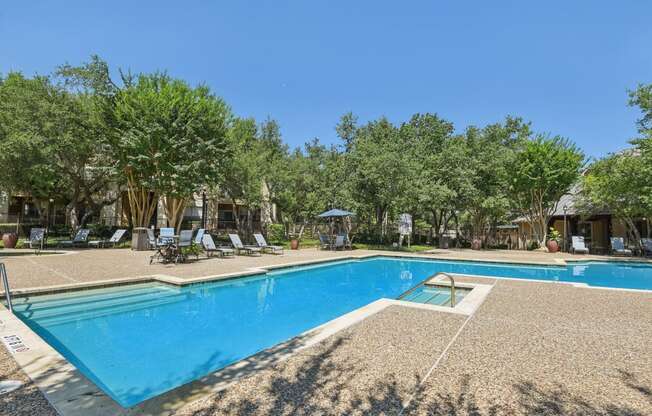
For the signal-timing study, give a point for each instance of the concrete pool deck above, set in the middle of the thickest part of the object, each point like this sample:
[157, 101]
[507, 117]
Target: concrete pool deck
[530, 348]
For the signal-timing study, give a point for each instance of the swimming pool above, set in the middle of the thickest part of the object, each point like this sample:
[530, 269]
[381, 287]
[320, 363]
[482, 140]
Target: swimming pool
[138, 341]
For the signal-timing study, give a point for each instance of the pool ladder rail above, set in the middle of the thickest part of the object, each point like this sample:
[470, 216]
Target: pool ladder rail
[423, 283]
[5, 283]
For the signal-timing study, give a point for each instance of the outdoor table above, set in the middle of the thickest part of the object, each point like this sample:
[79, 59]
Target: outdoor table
[169, 251]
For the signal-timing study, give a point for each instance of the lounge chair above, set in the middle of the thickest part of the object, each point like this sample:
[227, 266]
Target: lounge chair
[347, 242]
[618, 247]
[324, 242]
[36, 239]
[199, 236]
[239, 247]
[260, 240]
[116, 238]
[578, 246]
[339, 242]
[646, 246]
[209, 247]
[81, 239]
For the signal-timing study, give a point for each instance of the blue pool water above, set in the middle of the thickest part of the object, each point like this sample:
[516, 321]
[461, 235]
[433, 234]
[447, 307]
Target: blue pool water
[139, 341]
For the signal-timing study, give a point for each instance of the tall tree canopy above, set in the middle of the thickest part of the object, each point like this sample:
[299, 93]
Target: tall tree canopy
[169, 140]
[50, 130]
[544, 169]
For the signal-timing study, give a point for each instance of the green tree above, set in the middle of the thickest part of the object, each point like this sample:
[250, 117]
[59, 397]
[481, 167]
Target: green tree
[618, 183]
[49, 130]
[243, 182]
[310, 186]
[438, 169]
[378, 172]
[168, 140]
[622, 182]
[544, 169]
[491, 153]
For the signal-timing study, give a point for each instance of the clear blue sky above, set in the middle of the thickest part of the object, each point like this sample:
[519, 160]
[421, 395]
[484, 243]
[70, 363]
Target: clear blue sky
[564, 65]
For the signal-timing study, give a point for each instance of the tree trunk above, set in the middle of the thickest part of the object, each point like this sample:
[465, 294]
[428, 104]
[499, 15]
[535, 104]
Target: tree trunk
[633, 232]
[236, 211]
[174, 209]
[142, 202]
[72, 215]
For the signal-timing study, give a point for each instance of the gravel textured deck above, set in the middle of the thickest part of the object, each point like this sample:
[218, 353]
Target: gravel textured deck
[547, 349]
[27, 400]
[369, 368]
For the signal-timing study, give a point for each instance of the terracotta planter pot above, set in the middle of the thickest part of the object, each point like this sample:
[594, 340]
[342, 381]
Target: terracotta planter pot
[9, 240]
[552, 246]
[294, 244]
[476, 244]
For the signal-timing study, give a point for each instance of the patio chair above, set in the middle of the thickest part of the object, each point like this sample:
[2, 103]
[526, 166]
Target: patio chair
[339, 242]
[36, 239]
[185, 242]
[81, 239]
[324, 242]
[578, 246]
[239, 247]
[262, 243]
[209, 247]
[618, 247]
[151, 239]
[116, 238]
[646, 246]
[165, 236]
[347, 242]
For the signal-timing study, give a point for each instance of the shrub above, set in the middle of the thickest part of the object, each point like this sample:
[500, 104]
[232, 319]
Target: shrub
[276, 232]
[533, 245]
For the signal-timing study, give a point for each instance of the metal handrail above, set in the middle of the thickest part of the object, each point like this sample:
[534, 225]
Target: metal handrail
[424, 281]
[452, 287]
[5, 283]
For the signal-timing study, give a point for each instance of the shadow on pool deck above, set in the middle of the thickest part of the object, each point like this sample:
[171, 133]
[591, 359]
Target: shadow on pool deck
[532, 348]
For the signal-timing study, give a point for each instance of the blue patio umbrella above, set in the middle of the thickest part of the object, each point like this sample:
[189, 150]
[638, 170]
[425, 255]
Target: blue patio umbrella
[335, 213]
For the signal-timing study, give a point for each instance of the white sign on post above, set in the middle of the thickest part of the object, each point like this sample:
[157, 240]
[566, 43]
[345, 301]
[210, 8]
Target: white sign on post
[405, 224]
[404, 228]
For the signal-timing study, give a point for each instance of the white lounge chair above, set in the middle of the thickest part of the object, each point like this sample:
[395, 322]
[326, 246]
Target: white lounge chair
[239, 247]
[578, 246]
[209, 247]
[116, 238]
[618, 247]
[262, 243]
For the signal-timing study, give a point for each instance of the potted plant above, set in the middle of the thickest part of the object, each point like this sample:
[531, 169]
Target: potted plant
[9, 240]
[553, 241]
[294, 243]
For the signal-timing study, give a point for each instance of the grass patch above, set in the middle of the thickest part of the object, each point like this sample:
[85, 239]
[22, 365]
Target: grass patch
[414, 248]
